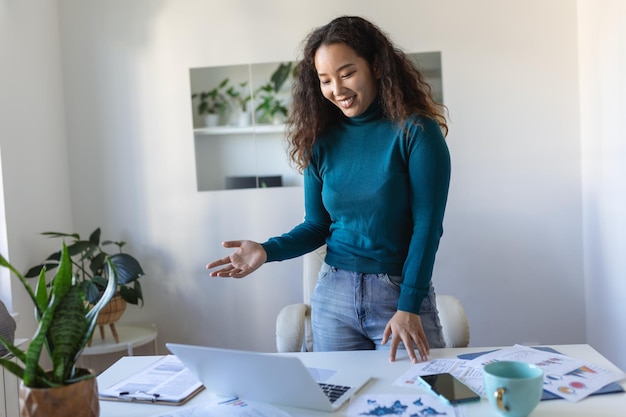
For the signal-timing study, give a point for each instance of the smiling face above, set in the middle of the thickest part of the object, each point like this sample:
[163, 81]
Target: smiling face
[346, 79]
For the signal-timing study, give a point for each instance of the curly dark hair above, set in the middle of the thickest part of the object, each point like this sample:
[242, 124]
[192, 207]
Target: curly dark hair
[402, 90]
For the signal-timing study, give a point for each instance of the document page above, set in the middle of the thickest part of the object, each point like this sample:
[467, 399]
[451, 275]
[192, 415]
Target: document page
[166, 380]
[402, 405]
[564, 377]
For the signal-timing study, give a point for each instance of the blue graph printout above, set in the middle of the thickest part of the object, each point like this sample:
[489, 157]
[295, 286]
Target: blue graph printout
[405, 405]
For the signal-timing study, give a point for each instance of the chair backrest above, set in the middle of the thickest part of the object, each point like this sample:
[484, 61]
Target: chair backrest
[451, 312]
[311, 264]
[453, 321]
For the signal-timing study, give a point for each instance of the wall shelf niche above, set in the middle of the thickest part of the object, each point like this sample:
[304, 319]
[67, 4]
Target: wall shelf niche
[253, 154]
[245, 154]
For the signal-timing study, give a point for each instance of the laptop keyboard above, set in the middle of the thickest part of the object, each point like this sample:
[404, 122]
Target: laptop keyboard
[333, 391]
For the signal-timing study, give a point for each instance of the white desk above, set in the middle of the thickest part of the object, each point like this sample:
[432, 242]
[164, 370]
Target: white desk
[383, 373]
[130, 337]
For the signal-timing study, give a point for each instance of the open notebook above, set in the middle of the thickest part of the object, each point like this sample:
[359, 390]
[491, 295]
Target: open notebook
[266, 377]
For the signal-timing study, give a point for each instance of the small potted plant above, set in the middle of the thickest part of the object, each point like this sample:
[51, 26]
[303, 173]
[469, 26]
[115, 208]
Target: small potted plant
[89, 260]
[66, 324]
[212, 104]
[271, 108]
[240, 98]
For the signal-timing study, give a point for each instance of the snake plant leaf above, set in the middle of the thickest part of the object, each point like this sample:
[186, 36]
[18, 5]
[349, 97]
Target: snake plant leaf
[63, 279]
[92, 314]
[108, 293]
[66, 332]
[27, 287]
[10, 364]
[14, 350]
[66, 324]
[41, 293]
[12, 367]
[62, 283]
[18, 353]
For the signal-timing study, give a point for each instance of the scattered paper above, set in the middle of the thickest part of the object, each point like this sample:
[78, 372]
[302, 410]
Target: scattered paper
[566, 377]
[400, 405]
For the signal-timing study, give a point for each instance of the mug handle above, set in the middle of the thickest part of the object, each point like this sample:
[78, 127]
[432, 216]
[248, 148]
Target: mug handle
[499, 395]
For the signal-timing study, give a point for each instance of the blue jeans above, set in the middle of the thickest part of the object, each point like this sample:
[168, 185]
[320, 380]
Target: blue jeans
[349, 310]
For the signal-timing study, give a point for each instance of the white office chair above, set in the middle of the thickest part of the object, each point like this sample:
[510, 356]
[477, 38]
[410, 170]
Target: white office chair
[293, 324]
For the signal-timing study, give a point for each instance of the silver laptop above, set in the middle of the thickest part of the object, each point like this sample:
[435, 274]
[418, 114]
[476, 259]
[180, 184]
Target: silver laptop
[266, 377]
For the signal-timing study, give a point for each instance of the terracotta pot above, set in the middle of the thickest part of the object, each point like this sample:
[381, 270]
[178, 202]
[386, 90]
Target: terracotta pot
[77, 400]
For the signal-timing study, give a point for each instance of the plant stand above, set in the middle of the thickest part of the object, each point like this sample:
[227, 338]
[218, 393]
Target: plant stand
[113, 332]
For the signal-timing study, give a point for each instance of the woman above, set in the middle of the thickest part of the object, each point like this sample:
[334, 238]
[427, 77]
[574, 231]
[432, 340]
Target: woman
[367, 134]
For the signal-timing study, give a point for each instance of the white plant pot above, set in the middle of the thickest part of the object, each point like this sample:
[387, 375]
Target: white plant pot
[211, 119]
[243, 118]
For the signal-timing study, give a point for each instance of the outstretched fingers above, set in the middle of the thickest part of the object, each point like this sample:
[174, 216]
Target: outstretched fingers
[247, 258]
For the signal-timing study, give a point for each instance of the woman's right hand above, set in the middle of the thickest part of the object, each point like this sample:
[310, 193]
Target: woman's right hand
[248, 257]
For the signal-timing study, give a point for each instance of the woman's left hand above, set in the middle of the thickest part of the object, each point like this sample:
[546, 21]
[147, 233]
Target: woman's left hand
[407, 328]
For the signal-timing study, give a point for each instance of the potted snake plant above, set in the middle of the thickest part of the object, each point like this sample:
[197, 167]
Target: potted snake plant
[66, 324]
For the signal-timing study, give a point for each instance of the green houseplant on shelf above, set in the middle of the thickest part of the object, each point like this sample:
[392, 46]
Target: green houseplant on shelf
[240, 97]
[212, 104]
[271, 108]
[89, 259]
[66, 324]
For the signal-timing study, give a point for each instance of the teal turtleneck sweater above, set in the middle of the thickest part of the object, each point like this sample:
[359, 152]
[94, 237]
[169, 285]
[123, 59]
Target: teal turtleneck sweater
[376, 195]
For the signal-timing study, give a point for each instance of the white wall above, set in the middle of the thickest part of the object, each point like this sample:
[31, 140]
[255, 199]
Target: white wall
[32, 138]
[603, 129]
[512, 248]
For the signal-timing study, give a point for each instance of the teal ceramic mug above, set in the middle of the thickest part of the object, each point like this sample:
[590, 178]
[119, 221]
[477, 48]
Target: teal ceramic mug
[513, 388]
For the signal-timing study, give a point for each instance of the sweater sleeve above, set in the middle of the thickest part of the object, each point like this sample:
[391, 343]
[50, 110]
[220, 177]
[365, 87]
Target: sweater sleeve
[428, 161]
[308, 235]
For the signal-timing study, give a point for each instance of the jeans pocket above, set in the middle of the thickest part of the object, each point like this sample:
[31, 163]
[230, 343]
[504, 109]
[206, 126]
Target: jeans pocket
[393, 281]
[324, 272]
